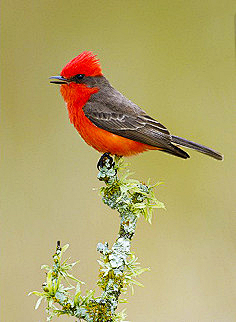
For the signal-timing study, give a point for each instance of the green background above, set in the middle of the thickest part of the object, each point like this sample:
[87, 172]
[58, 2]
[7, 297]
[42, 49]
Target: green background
[176, 60]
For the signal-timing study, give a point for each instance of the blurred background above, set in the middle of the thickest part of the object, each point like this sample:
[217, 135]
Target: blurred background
[176, 60]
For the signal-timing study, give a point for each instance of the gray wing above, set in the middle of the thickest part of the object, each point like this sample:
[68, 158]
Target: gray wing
[109, 110]
[127, 122]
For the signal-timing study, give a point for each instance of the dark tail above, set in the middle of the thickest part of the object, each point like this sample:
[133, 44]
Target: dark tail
[196, 146]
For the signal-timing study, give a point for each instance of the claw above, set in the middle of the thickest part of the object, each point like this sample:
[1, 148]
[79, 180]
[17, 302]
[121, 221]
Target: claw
[102, 161]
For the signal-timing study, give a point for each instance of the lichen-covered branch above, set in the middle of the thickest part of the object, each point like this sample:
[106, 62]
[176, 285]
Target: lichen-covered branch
[118, 266]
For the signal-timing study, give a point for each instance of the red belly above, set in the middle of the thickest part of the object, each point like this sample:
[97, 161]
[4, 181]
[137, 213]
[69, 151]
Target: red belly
[104, 141]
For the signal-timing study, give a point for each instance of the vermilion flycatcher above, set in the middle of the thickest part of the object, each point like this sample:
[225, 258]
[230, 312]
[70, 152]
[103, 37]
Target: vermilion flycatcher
[107, 120]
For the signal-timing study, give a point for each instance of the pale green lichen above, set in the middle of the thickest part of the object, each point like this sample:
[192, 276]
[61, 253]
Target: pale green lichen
[118, 266]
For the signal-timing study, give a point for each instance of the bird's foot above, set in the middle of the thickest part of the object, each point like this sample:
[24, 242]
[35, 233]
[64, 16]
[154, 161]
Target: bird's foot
[103, 161]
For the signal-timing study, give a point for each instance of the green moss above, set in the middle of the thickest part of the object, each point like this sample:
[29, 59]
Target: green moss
[118, 267]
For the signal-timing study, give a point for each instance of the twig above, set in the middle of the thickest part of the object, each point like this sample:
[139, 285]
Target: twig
[118, 266]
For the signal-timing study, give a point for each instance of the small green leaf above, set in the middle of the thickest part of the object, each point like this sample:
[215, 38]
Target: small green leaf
[57, 284]
[64, 248]
[123, 301]
[49, 281]
[38, 303]
[77, 294]
[36, 293]
[74, 278]
[140, 205]
[45, 267]
[136, 283]
[73, 264]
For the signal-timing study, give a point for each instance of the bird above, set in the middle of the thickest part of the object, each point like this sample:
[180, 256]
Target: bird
[108, 121]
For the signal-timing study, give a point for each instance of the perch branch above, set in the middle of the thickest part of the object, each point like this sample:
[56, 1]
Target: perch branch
[118, 266]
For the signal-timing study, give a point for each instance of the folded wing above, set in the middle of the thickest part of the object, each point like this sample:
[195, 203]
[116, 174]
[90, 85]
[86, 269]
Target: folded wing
[131, 123]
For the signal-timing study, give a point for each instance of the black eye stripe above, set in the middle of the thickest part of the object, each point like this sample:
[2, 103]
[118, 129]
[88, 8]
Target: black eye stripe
[77, 77]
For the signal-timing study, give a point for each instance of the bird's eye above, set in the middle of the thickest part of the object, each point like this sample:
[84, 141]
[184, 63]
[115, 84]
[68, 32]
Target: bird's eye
[77, 77]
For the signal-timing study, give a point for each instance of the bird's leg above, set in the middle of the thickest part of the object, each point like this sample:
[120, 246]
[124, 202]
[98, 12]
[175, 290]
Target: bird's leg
[102, 160]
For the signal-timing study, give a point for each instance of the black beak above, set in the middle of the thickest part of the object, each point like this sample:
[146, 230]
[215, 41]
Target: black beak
[60, 80]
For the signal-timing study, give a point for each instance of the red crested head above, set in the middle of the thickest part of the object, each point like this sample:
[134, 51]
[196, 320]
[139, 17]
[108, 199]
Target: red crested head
[85, 63]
